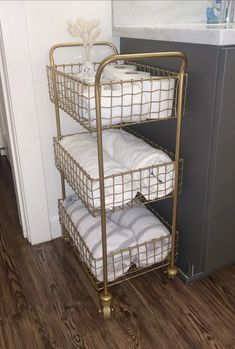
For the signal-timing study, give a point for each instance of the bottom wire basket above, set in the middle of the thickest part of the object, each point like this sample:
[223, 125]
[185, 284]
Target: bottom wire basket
[125, 263]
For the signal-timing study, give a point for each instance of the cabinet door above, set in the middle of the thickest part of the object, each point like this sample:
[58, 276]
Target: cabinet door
[221, 208]
[197, 133]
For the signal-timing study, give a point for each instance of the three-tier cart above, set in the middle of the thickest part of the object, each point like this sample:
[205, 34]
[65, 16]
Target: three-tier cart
[105, 105]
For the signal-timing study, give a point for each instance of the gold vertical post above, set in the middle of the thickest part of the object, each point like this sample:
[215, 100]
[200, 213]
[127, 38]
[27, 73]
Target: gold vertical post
[106, 297]
[172, 269]
[101, 179]
[58, 125]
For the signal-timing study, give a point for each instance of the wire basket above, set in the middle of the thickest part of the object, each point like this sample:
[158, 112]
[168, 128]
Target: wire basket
[121, 188]
[122, 102]
[141, 258]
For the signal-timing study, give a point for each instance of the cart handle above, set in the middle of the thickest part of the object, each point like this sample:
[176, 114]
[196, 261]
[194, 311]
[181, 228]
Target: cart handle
[134, 56]
[78, 44]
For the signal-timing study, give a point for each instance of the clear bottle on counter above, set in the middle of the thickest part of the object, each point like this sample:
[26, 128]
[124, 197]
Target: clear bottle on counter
[228, 10]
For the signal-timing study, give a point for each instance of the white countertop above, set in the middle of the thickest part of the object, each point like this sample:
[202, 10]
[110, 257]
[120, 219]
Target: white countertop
[196, 33]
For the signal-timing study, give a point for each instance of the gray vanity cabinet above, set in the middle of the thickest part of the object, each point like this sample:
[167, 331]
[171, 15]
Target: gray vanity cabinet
[206, 215]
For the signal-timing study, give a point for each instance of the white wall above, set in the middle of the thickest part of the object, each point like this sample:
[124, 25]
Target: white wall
[47, 21]
[4, 135]
[2, 115]
[157, 12]
[29, 29]
[15, 70]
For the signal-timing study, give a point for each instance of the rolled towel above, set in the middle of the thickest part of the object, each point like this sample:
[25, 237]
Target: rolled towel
[131, 75]
[122, 104]
[155, 177]
[118, 189]
[159, 91]
[112, 69]
[89, 228]
[150, 233]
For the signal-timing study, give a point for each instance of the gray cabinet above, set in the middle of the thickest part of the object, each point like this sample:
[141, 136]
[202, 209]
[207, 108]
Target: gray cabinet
[206, 215]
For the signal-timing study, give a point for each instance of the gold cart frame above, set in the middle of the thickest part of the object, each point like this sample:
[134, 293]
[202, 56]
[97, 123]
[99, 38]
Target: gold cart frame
[105, 296]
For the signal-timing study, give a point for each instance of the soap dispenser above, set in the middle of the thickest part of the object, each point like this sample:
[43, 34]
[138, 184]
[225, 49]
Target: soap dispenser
[213, 11]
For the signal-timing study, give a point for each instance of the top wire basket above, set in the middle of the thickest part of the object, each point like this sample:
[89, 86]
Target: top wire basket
[135, 98]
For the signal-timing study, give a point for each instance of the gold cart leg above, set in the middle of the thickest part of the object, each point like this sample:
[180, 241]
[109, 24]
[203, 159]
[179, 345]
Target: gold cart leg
[63, 187]
[65, 235]
[106, 304]
[105, 297]
[172, 269]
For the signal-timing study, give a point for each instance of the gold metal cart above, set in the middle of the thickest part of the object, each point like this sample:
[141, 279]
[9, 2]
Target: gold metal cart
[84, 103]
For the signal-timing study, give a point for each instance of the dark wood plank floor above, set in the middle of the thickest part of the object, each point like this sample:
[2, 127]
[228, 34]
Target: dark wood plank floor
[47, 303]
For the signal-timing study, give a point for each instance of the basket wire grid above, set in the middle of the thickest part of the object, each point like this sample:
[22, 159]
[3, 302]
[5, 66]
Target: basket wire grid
[142, 254]
[120, 188]
[122, 102]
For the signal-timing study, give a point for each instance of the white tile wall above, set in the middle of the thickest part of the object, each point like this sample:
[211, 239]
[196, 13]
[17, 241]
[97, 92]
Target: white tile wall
[155, 12]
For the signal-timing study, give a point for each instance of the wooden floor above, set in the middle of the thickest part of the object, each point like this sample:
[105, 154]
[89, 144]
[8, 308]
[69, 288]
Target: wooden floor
[47, 303]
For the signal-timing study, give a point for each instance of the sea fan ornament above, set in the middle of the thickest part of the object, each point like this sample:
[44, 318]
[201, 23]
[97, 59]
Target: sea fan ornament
[86, 31]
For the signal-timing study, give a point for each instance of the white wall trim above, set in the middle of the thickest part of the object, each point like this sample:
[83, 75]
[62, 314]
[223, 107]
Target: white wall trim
[22, 121]
[13, 140]
[55, 227]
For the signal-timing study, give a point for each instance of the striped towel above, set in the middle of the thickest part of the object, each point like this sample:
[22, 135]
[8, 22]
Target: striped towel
[89, 228]
[146, 228]
[135, 228]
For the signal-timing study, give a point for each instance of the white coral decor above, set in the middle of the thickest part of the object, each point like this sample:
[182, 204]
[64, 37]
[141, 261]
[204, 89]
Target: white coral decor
[86, 32]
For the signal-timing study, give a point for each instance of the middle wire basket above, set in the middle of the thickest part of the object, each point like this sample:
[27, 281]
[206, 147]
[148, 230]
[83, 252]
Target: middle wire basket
[123, 102]
[153, 182]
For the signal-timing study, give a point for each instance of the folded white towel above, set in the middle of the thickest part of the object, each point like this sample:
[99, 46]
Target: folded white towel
[118, 190]
[147, 228]
[89, 228]
[132, 152]
[120, 103]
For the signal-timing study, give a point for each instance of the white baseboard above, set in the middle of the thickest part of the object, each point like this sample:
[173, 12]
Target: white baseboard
[3, 152]
[55, 227]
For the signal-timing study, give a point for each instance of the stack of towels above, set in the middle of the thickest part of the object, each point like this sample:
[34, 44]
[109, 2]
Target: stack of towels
[125, 230]
[128, 95]
[152, 169]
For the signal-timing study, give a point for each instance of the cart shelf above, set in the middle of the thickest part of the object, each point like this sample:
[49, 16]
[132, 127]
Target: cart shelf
[122, 102]
[125, 263]
[153, 182]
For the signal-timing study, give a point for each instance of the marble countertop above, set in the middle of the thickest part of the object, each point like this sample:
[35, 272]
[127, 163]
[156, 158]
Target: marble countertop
[197, 33]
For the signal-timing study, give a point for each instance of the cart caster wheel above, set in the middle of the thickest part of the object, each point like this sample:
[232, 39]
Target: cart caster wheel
[106, 305]
[107, 312]
[171, 272]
